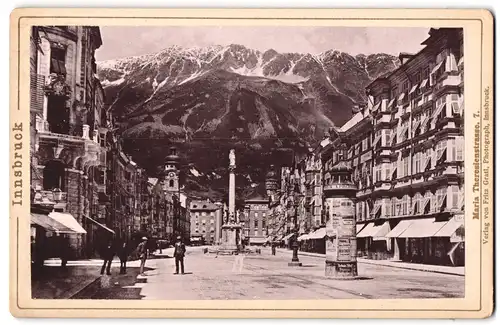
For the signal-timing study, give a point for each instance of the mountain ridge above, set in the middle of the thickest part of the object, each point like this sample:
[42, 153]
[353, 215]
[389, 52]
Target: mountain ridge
[232, 96]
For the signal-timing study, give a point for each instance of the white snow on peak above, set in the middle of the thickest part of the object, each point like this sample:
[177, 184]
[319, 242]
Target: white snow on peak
[195, 172]
[113, 83]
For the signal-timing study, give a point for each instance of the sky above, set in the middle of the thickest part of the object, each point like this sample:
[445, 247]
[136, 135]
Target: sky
[124, 41]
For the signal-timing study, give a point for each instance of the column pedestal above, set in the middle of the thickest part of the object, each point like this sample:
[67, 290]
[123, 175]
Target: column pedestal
[230, 238]
[341, 270]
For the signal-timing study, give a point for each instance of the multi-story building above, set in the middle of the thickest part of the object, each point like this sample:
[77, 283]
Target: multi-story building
[256, 220]
[312, 189]
[65, 110]
[204, 221]
[406, 152]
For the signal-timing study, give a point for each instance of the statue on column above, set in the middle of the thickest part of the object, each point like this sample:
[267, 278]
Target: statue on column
[232, 158]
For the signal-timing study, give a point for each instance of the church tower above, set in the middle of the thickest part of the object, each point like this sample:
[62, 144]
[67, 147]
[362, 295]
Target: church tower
[171, 173]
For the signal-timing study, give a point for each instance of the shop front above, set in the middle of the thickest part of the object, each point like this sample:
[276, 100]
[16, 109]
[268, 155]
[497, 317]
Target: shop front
[429, 241]
[372, 240]
[50, 236]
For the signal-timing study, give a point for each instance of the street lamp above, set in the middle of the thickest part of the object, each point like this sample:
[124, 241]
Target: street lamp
[295, 244]
[57, 194]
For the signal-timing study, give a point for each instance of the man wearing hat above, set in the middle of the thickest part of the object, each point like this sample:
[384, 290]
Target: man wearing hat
[179, 252]
[143, 254]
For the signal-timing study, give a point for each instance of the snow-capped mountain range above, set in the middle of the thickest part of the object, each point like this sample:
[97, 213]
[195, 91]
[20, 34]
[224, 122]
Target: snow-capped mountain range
[233, 96]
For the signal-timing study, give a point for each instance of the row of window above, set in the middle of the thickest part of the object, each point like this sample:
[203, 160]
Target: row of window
[203, 214]
[203, 230]
[427, 76]
[451, 197]
[448, 150]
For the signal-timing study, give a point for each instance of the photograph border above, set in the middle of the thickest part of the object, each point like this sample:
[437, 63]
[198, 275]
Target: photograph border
[478, 34]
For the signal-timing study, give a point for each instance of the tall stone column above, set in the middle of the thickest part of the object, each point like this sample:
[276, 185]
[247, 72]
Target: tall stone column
[231, 229]
[232, 190]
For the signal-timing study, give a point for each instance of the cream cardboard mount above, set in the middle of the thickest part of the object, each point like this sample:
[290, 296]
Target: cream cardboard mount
[217, 167]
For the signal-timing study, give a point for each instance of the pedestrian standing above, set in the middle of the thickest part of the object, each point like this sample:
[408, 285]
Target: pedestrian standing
[142, 249]
[179, 252]
[107, 256]
[123, 255]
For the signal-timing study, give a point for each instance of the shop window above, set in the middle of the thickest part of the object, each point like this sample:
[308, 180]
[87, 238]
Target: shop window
[54, 176]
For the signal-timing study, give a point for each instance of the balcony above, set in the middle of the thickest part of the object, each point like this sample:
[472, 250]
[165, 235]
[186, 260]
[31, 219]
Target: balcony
[339, 187]
[448, 81]
[45, 197]
[68, 147]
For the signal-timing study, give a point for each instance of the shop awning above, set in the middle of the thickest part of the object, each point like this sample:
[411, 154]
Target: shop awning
[449, 228]
[413, 89]
[377, 232]
[100, 225]
[68, 221]
[398, 230]
[359, 227]
[461, 61]
[287, 237]
[381, 231]
[48, 223]
[303, 237]
[318, 234]
[421, 228]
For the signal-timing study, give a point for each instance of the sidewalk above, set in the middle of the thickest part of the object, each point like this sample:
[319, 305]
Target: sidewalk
[453, 270]
[56, 282]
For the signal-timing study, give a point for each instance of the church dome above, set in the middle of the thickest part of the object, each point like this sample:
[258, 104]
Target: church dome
[172, 158]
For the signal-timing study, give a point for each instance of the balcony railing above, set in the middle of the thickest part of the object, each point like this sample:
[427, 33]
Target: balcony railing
[339, 186]
[49, 197]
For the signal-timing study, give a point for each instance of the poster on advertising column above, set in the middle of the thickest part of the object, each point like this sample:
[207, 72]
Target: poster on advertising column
[343, 228]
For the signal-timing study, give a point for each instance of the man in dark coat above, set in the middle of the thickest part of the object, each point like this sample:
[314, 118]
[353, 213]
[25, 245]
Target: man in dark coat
[123, 255]
[179, 252]
[107, 255]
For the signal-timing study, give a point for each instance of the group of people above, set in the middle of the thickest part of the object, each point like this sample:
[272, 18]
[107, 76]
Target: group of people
[123, 251]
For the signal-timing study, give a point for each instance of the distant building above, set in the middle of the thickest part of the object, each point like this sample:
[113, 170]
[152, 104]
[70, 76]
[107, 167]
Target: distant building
[256, 220]
[204, 224]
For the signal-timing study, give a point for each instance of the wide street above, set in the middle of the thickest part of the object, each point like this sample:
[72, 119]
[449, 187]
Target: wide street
[264, 276]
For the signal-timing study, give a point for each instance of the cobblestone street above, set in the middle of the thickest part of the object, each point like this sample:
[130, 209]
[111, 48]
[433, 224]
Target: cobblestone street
[268, 277]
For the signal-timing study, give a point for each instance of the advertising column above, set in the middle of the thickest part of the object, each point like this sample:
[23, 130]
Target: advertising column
[341, 239]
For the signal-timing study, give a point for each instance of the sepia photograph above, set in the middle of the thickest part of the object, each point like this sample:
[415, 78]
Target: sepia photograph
[261, 162]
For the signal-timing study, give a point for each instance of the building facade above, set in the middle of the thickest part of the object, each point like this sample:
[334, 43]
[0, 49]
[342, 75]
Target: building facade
[256, 225]
[204, 221]
[65, 113]
[406, 152]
